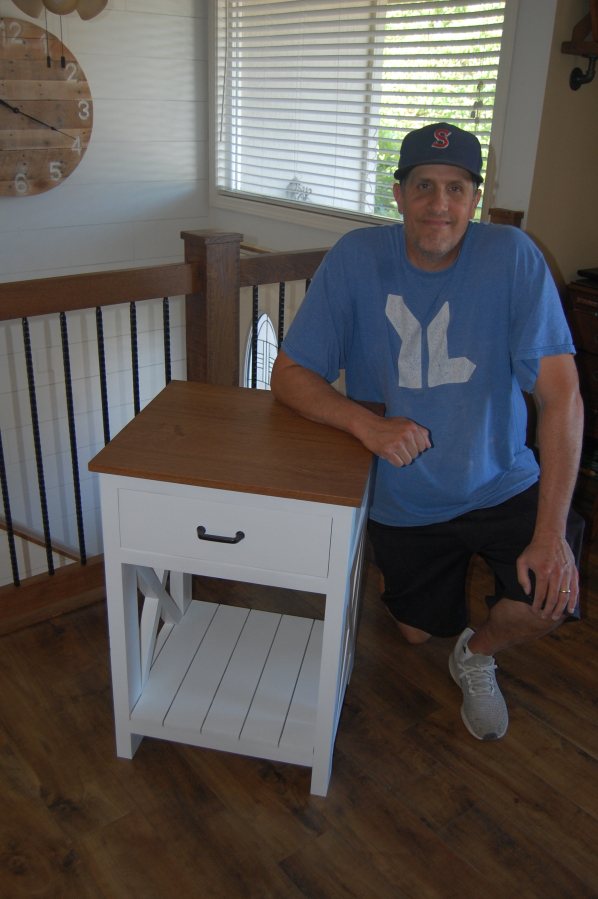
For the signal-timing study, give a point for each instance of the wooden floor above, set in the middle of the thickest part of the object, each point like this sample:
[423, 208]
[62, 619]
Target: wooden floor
[417, 808]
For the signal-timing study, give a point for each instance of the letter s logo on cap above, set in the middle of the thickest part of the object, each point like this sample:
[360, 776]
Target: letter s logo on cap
[442, 136]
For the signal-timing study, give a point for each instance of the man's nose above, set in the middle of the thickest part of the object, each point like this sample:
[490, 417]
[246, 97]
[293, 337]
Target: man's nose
[438, 201]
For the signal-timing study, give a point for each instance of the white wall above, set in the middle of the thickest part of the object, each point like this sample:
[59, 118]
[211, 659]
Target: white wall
[142, 181]
[144, 177]
[564, 198]
[525, 101]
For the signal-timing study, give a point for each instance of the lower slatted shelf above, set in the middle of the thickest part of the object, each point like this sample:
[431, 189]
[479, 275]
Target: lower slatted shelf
[237, 680]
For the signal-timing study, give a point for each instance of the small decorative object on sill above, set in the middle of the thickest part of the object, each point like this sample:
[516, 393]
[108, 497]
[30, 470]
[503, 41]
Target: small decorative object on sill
[87, 9]
[580, 46]
[298, 191]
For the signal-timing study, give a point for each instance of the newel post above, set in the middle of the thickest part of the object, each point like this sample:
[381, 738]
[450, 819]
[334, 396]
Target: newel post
[212, 315]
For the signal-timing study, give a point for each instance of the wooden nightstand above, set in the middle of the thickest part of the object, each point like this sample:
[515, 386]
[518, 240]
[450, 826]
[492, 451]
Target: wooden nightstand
[228, 483]
[582, 315]
[581, 309]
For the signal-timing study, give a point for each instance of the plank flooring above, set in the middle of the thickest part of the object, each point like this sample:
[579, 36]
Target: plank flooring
[417, 809]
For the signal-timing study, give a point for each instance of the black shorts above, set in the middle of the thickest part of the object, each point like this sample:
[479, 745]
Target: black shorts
[424, 567]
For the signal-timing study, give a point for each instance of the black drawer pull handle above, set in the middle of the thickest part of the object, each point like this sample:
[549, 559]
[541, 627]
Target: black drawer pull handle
[201, 533]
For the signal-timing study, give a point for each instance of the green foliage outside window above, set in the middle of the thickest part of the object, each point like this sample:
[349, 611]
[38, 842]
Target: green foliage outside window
[449, 81]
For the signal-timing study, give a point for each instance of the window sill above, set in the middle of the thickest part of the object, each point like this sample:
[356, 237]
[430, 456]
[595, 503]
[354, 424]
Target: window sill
[334, 221]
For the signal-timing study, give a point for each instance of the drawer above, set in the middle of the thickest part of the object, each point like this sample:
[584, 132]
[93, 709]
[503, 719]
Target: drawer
[587, 367]
[584, 327]
[584, 299]
[275, 540]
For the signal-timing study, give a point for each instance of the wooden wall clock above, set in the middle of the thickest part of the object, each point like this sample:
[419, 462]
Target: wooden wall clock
[46, 112]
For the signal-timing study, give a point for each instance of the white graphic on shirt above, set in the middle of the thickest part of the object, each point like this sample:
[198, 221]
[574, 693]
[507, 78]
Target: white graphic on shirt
[409, 330]
[441, 369]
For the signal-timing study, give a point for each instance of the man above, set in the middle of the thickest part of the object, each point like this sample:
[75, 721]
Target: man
[446, 321]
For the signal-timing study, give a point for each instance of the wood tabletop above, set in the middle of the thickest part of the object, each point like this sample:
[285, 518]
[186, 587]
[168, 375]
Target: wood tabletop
[232, 438]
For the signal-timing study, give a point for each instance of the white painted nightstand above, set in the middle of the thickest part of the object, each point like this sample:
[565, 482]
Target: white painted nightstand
[226, 482]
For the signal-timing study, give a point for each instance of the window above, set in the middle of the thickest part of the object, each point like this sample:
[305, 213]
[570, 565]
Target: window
[315, 96]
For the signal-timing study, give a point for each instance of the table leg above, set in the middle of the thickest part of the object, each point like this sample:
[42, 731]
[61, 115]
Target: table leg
[330, 673]
[340, 625]
[123, 618]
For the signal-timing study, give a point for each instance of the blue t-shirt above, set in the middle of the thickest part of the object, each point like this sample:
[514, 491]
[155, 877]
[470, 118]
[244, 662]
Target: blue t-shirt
[450, 350]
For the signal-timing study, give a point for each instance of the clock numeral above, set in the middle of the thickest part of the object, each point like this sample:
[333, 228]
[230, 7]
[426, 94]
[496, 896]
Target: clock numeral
[77, 145]
[14, 26]
[83, 109]
[72, 68]
[17, 28]
[55, 171]
[21, 183]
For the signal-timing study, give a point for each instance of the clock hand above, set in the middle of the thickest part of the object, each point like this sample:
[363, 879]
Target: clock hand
[27, 116]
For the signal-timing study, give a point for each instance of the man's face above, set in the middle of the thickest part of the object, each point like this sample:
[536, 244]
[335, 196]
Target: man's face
[437, 202]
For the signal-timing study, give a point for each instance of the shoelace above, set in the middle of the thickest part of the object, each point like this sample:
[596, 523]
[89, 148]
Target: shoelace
[479, 678]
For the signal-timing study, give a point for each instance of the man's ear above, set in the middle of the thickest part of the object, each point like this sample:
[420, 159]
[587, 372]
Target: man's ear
[397, 192]
[476, 200]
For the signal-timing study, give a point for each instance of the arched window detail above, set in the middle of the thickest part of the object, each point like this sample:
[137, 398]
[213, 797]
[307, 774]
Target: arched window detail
[267, 350]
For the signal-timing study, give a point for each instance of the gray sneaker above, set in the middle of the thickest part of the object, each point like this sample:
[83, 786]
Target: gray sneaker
[484, 710]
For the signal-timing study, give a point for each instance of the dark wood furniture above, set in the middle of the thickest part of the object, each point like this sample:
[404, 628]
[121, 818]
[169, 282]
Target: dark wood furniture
[582, 314]
[500, 216]
[581, 308]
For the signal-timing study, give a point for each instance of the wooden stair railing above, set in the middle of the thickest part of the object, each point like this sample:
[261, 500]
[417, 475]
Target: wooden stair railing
[44, 596]
[210, 278]
[212, 314]
[32, 536]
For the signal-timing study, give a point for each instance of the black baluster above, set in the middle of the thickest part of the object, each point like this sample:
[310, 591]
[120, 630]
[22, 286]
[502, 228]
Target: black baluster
[8, 517]
[166, 314]
[38, 446]
[281, 292]
[103, 382]
[68, 386]
[135, 359]
[254, 321]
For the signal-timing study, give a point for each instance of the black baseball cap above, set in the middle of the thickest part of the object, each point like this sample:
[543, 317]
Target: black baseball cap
[441, 144]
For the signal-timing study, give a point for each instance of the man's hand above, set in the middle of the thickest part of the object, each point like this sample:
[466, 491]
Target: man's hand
[398, 440]
[560, 426]
[549, 556]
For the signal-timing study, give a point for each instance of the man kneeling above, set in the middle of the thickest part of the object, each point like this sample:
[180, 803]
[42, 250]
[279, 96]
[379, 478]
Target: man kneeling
[446, 321]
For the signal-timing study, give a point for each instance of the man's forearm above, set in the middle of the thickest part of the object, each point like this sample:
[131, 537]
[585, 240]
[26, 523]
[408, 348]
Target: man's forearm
[314, 398]
[560, 431]
[398, 440]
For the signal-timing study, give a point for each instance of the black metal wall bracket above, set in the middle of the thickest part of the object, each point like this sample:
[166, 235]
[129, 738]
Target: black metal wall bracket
[579, 45]
[577, 76]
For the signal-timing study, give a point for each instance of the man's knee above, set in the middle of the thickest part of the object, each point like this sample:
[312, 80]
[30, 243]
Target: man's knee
[412, 634]
[515, 612]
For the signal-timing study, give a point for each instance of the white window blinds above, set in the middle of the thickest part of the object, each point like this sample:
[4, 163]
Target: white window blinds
[314, 98]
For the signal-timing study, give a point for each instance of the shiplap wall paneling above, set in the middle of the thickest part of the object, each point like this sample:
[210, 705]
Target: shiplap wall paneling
[142, 181]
